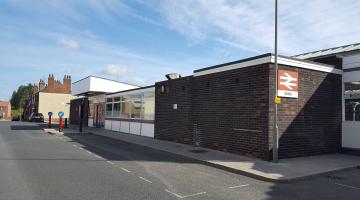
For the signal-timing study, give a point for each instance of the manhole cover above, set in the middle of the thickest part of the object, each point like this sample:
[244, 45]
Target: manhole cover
[198, 151]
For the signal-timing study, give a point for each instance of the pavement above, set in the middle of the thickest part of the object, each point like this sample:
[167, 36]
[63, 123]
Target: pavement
[283, 171]
[35, 165]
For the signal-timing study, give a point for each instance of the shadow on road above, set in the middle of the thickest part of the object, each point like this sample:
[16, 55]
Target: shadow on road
[25, 127]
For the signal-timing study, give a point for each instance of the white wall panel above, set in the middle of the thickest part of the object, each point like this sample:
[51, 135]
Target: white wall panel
[135, 128]
[108, 124]
[124, 127]
[115, 125]
[351, 76]
[98, 84]
[90, 122]
[351, 134]
[147, 130]
[351, 61]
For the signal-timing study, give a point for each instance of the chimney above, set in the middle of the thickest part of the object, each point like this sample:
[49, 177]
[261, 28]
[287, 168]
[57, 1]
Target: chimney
[67, 84]
[173, 76]
[51, 83]
[41, 85]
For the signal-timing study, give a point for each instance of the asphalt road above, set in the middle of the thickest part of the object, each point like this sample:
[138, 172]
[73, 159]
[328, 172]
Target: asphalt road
[38, 166]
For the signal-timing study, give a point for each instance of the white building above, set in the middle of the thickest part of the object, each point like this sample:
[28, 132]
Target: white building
[95, 88]
[346, 58]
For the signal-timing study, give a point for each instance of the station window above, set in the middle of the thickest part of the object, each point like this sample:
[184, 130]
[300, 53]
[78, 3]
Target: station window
[133, 105]
[109, 109]
[352, 101]
[116, 110]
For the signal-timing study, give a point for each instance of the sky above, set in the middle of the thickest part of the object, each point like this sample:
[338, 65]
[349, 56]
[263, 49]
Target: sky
[139, 41]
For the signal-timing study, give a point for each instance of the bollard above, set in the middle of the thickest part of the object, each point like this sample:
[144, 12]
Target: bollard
[60, 124]
[50, 121]
[50, 114]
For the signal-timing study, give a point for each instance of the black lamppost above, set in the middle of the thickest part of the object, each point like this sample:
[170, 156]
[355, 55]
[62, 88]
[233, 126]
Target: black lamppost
[81, 115]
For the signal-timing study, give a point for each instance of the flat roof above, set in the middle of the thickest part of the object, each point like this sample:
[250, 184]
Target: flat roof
[140, 88]
[267, 58]
[329, 51]
[104, 79]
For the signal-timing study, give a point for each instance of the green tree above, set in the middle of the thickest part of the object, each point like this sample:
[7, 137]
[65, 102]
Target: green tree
[18, 97]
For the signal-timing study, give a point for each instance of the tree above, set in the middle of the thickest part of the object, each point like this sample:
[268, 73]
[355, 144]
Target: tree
[18, 97]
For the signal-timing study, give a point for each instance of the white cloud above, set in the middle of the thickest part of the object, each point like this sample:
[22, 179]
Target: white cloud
[249, 24]
[71, 44]
[115, 70]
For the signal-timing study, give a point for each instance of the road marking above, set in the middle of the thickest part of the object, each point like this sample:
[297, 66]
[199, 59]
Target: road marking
[98, 156]
[185, 196]
[110, 162]
[81, 148]
[74, 145]
[144, 179]
[173, 193]
[89, 152]
[348, 186]
[238, 186]
[191, 195]
[124, 169]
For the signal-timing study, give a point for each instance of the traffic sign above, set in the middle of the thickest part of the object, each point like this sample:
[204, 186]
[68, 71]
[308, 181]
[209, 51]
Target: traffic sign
[61, 114]
[277, 100]
[288, 83]
[50, 114]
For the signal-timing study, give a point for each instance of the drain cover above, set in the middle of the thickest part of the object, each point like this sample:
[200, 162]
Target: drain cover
[198, 151]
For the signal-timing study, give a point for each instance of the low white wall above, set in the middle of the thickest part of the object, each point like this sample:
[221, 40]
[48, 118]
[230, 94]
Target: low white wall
[115, 125]
[351, 134]
[147, 130]
[90, 122]
[108, 124]
[136, 128]
[125, 127]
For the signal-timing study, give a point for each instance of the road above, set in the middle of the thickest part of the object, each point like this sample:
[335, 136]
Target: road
[38, 166]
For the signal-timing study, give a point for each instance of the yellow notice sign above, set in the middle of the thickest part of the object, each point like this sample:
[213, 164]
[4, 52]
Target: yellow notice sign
[277, 100]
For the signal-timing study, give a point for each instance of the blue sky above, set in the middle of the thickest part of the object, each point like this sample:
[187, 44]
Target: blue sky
[139, 41]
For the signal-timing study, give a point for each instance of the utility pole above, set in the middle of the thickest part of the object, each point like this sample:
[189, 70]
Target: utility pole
[276, 128]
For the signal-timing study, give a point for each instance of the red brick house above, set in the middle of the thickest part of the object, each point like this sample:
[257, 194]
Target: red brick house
[53, 97]
[5, 110]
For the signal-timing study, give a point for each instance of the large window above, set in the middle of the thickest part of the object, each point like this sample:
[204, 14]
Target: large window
[125, 107]
[109, 109]
[352, 101]
[148, 106]
[132, 105]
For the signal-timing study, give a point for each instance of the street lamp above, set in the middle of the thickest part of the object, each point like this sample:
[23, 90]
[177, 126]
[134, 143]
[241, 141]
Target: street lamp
[276, 128]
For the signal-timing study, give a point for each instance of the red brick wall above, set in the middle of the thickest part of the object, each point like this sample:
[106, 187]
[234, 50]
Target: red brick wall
[233, 111]
[55, 86]
[5, 107]
[310, 124]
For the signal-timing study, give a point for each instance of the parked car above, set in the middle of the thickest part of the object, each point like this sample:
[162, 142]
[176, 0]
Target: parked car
[15, 118]
[36, 117]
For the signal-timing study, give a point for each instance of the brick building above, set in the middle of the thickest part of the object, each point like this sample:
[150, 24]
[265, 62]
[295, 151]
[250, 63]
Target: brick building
[53, 97]
[230, 107]
[5, 110]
